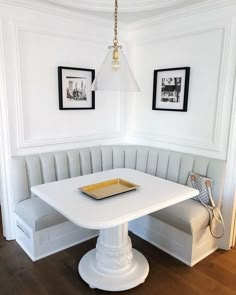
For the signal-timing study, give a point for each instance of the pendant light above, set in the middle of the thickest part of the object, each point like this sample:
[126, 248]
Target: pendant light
[115, 73]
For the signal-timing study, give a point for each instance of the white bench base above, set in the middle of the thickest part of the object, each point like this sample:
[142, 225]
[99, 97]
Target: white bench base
[185, 247]
[42, 243]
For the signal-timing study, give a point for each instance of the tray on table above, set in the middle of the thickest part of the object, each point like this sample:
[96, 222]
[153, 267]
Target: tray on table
[108, 188]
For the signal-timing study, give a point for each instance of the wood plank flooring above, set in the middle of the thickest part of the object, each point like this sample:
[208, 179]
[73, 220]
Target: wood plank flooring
[58, 275]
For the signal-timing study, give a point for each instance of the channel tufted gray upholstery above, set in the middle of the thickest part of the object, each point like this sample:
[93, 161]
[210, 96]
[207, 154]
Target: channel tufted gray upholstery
[188, 216]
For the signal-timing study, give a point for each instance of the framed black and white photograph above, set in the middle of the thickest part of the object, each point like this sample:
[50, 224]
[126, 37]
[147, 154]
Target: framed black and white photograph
[170, 89]
[75, 88]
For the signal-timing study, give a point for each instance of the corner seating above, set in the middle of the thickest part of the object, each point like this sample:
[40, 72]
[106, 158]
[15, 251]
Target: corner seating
[180, 230]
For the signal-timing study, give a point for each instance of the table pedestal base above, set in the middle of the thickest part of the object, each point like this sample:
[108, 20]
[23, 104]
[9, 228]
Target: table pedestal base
[114, 265]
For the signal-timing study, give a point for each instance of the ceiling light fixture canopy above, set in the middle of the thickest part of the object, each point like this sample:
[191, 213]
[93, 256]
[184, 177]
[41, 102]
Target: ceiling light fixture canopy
[115, 73]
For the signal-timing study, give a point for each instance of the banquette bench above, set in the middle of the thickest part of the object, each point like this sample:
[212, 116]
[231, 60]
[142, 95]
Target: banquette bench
[181, 230]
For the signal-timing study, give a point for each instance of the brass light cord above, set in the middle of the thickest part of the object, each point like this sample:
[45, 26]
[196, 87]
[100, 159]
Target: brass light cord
[115, 41]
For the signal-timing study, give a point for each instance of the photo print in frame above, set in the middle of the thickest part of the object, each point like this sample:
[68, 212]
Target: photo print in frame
[75, 88]
[170, 89]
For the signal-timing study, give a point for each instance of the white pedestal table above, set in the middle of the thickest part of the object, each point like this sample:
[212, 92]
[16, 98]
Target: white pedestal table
[114, 265]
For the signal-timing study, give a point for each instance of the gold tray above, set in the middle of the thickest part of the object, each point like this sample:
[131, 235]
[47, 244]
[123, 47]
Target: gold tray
[108, 188]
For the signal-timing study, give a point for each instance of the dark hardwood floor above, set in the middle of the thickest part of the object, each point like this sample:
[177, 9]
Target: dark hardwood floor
[58, 275]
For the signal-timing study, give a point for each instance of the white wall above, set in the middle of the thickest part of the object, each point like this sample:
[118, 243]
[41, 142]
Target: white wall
[33, 43]
[205, 44]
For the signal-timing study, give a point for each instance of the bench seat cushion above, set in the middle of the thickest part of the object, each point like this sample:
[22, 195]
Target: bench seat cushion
[189, 216]
[37, 214]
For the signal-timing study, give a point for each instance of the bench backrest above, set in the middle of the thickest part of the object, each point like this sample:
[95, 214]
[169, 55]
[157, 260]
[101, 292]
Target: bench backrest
[175, 166]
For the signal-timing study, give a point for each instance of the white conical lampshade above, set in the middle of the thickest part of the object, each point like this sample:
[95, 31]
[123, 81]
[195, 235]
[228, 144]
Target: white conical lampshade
[115, 75]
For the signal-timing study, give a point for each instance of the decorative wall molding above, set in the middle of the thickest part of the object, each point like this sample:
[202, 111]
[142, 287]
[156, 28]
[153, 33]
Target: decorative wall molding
[215, 142]
[71, 9]
[22, 141]
[180, 14]
[179, 33]
[229, 202]
[5, 151]
[178, 140]
[44, 141]
[77, 34]
[49, 9]
[124, 5]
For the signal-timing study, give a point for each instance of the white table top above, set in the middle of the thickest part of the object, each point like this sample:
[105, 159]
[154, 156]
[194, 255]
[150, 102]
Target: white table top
[154, 194]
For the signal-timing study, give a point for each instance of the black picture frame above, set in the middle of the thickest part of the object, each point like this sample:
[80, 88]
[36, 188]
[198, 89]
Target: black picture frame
[179, 98]
[75, 102]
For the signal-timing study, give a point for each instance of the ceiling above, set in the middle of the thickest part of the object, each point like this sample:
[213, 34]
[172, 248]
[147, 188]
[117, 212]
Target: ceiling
[130, 11]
